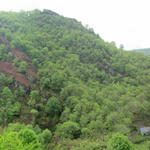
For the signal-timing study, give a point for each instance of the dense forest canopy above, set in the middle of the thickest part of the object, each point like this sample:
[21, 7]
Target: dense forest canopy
[63, 87]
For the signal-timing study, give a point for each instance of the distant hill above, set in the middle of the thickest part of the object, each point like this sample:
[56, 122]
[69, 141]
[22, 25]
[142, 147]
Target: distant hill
[144, 50]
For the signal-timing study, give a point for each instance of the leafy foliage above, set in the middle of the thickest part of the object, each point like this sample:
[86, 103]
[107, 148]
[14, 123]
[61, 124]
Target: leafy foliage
[120, 142]
[53, 107]
[11, 141]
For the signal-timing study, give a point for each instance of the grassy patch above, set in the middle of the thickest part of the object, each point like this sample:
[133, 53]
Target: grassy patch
[140, 139]
[142, 146]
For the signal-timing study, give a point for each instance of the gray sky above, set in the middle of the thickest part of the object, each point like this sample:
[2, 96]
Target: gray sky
[126, 22]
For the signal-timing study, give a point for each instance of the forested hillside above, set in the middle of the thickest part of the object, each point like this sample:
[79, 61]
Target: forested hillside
[62, 87]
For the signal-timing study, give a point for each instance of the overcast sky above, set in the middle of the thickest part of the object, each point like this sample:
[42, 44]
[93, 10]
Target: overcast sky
[126, 22]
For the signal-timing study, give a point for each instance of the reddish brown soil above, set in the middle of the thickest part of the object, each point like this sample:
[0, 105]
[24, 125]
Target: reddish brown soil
[21, 55]
[33, 73]
[10, 70]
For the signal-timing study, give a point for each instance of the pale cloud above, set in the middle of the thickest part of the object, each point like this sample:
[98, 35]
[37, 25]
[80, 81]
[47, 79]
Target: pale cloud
[123, 21]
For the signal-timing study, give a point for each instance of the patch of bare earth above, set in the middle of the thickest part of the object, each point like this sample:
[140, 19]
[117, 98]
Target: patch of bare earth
[8, 69]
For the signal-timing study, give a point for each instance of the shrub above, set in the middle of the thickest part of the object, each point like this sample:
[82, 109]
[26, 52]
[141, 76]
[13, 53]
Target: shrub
[45, 136]
[120, 142]
[27, 136]
[10, 141]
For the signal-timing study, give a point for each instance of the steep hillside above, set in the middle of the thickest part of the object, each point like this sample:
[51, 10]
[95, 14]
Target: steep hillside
[59, 75]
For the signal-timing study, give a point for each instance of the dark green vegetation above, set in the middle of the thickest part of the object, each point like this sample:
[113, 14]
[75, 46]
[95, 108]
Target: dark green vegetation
[62, 87]
[144, 50]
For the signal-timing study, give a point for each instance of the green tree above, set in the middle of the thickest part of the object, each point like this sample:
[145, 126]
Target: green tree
[7, 94]
[27, 136]
[11, 141]
[120, 142]
[45, 138]
[53, 107]
[68, 129]
[57, 80]
[34, 98]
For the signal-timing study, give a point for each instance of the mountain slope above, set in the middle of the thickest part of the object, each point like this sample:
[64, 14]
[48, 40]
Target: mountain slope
[57, 74]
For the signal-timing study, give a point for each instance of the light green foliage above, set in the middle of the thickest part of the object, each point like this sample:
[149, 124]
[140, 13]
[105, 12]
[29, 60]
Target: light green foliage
[69, 130]
[45, 137]
[120, 142]
[7, 94]
[22, 67]
[35, 95]
[11, 141]
[27, 136]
